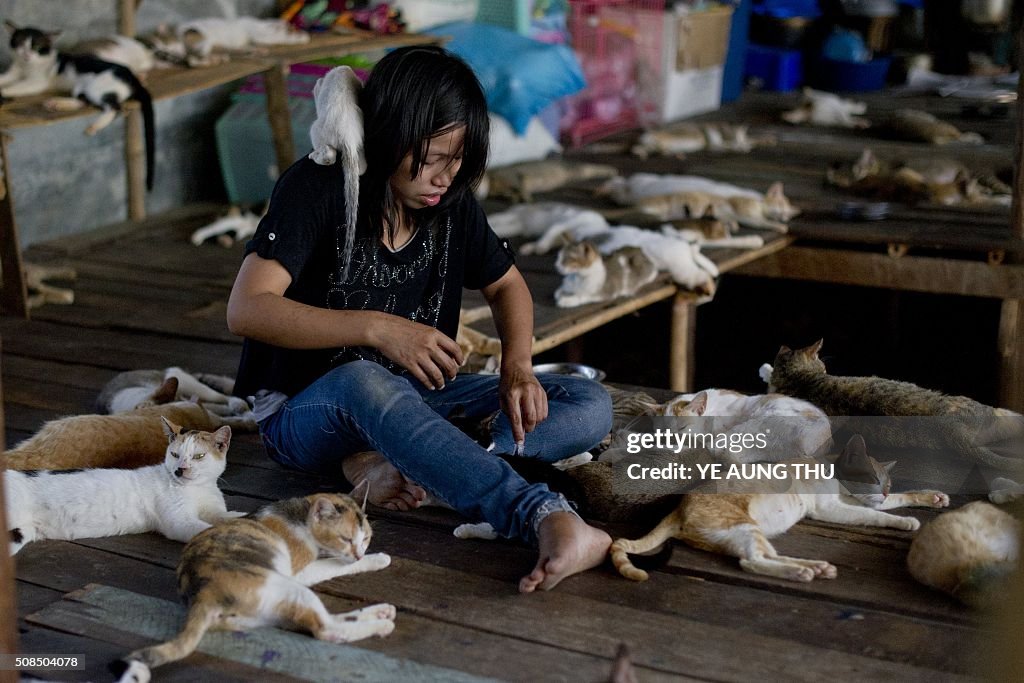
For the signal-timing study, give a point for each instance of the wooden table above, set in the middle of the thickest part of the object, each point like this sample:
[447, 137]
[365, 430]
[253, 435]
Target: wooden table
[164, 84]
[554, 326]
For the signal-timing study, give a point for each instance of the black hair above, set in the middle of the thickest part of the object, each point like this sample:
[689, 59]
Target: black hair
[415, 94]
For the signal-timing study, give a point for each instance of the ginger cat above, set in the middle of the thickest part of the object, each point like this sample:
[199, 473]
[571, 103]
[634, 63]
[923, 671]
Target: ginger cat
[742, 515]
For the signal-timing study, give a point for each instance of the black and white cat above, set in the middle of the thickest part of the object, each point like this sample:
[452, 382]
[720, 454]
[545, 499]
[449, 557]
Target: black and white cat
[38, 66]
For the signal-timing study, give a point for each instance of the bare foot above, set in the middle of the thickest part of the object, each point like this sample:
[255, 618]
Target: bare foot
[568, 546]
[389, 488]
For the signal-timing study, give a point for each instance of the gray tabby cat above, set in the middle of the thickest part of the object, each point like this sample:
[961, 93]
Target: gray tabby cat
[990, 436]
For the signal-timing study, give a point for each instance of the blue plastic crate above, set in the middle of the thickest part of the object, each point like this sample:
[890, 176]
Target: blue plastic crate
[777, 68]
[245, 147]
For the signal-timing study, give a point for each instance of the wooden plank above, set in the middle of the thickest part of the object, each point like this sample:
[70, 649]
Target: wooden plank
[135, 161]
[683, 345]
[14, 292]
[275, 650]
[907, 273]
[278, 114]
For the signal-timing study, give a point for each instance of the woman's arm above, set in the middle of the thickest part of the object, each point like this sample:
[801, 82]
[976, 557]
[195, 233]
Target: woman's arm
[258, 309]
[522, 398]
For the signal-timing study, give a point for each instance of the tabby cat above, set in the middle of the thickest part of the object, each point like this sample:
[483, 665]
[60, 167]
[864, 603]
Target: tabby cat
[589, 277]
[739, 518]
[990, 436]
[970, 553]
[519, 182]
[256, 571]
[178, 498]
[37, 66]
[126, 440]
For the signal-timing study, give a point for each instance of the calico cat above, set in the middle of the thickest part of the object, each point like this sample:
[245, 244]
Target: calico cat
[970, 553]
[138, 388]
[589, 277]
[337, 133]
[740, 517]
[127, 440]
[256, 571]
[178, 498]
[991, 436]
[939, 181]
[679, 196]
[820, 108]
[519, 182]
[37, 67]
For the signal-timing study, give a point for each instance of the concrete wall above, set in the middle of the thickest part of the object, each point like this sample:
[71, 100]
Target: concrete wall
[63, 182]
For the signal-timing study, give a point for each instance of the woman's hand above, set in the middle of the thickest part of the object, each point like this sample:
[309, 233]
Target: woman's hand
[523, 399]
[427, 353]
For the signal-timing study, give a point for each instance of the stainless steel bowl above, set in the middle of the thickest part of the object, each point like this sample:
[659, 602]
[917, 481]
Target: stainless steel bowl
[576, 369]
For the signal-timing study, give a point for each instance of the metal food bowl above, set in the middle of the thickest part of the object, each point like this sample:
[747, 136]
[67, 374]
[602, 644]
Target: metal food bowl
[575, 369]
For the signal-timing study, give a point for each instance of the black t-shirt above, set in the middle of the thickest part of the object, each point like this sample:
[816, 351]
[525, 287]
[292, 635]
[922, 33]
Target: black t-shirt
[422, 281]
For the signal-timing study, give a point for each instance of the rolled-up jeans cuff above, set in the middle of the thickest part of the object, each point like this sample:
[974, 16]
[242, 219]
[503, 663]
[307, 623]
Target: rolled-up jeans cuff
[556, 504]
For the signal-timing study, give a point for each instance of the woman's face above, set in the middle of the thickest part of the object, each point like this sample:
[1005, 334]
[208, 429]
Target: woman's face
[439, 165]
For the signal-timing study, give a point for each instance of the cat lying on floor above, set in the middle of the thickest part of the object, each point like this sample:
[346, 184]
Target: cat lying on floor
[257, 571]
[737, 517]
[179, 497]
[819, 108]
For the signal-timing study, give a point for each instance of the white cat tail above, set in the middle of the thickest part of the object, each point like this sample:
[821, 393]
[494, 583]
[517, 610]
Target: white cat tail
[765, 373]
[135, 668]
[338, 132]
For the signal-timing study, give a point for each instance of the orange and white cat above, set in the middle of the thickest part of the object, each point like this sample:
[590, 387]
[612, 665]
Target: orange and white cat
[740, 517]
[256, 571]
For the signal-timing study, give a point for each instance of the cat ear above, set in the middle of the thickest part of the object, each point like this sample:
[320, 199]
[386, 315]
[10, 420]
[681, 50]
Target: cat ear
[814, 348]
[222, 438]
[887, 466]
[775, 191]
[11, 26]
[856, 446]
[699, 404]
[170, 429]
[166, 392]
[322, 508]
[365, 485]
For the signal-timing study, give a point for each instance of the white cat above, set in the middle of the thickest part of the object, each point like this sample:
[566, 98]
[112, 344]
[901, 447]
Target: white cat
[820, 108]
[797, 428]
[236, 226]
[178, 498]
[134, 388]
[536, 219]
[337, 133]
[202, 36]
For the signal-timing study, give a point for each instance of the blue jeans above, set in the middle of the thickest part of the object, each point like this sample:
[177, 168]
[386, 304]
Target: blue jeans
[361, 406]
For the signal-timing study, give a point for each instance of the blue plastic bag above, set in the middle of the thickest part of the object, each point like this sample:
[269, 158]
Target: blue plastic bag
[520, 76]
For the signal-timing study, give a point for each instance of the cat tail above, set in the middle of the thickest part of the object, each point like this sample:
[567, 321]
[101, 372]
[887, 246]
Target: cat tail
[145, 100]
[135, 668]
[623, 547]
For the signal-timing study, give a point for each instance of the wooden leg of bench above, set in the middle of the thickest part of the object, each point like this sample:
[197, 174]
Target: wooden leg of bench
[14, 295]
[682, 360]
[135, 161]
[1011, 355]
[276, 84]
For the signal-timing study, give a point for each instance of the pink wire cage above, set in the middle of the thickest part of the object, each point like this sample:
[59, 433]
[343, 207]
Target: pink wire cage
[618, 43]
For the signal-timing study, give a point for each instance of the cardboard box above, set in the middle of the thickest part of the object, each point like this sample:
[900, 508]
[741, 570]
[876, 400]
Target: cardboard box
[692, 66]
[702, 38]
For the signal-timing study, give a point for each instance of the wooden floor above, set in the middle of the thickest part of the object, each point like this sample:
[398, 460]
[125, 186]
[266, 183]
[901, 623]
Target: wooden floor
[149, 299]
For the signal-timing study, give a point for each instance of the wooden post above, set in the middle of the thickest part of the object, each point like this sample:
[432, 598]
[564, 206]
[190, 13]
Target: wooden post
[8, 602]
[14, 294]
[683, 340]
[276, 83]
[134, 161]
[126, 17]
[1011, 320]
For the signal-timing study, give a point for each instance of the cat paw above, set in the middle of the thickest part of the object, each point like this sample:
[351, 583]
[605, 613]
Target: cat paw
[376, 561]
[802, 574]
[824, 570]
[384, 628]
[909, 523]
[935, 499]
[380, 611]
[482, 531]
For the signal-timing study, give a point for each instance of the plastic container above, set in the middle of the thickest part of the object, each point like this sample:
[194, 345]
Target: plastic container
[511, 14]
[775, 68]
[834, 75]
